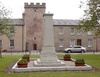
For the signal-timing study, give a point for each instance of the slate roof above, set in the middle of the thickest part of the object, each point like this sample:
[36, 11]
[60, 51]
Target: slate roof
[56, 22]
[17, 22]
[65, 22]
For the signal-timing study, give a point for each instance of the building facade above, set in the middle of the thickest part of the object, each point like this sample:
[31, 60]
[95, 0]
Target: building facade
[29, 32]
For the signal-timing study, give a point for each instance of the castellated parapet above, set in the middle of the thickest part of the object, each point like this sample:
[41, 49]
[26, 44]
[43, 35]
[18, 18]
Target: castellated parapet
[32, 5]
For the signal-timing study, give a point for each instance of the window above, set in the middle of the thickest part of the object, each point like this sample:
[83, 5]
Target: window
[89, 42]
[35, 10]
[89, 32]
[0, 43]
[79, 32]
[61, 43]
[0, 32]
[34, 38]
[12, 31]
[72, 42]
[61, 30]
[11, 43]
[27, 46]
[72, 31]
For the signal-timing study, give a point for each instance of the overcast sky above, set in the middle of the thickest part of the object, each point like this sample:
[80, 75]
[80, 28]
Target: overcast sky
[62, 9]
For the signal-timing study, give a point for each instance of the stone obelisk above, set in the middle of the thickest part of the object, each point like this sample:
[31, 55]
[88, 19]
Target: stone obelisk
[48, 55]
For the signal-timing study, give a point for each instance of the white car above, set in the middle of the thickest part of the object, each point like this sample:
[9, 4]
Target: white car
[75, 49]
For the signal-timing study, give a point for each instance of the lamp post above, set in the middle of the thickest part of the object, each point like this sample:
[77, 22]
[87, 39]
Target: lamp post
[98, 25]
[0, 53]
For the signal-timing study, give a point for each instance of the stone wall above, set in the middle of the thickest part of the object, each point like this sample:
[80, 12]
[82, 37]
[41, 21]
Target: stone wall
[34, 24]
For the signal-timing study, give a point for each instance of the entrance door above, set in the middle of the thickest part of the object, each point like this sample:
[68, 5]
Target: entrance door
[34, 46]
[79, 42]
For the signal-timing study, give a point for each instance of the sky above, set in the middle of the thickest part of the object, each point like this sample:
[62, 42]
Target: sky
[62, 9]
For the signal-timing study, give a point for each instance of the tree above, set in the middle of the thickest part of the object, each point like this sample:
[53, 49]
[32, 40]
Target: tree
[91, 17]
[5, 22]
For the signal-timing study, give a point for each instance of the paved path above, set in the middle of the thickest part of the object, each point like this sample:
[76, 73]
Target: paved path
[21, 53]
[38, 53]
[69, 66]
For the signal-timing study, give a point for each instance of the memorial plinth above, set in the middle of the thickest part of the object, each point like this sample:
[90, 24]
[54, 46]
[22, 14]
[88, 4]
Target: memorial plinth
[48, 55]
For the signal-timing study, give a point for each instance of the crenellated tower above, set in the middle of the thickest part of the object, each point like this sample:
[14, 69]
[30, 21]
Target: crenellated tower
[33, 18]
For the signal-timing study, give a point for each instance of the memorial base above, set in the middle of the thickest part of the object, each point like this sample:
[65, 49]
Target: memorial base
[39, 63]
[48, 57]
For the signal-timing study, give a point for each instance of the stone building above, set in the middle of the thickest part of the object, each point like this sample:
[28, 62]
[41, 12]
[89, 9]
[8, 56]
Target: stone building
[29, 30]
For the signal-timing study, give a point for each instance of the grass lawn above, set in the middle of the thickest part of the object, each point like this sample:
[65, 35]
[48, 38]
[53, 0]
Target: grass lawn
[93, 60]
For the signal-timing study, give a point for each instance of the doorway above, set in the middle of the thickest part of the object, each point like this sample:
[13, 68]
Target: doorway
[79, 42]
[34, 46]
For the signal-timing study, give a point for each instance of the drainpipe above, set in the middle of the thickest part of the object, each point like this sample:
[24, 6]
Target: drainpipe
[22, 38]
[96, 44]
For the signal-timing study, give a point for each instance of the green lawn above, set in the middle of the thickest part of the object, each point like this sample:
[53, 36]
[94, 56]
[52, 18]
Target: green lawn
[93, 60]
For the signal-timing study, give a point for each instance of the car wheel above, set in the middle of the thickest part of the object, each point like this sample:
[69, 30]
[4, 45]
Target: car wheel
[69, 51]
[82, 51]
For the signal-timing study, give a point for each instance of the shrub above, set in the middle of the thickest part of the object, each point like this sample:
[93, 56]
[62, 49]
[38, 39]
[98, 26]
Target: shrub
[79, 60]
[22, 61]
[26, 55]
[67, 55]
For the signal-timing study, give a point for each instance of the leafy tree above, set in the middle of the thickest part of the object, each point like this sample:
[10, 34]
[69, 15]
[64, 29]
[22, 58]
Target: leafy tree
[91, 17]
[5, 22]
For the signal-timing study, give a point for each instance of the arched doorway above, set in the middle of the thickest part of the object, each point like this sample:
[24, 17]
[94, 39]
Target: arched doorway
[34, 46]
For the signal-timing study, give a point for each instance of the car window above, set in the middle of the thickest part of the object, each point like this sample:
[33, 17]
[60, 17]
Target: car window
[77, 47]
